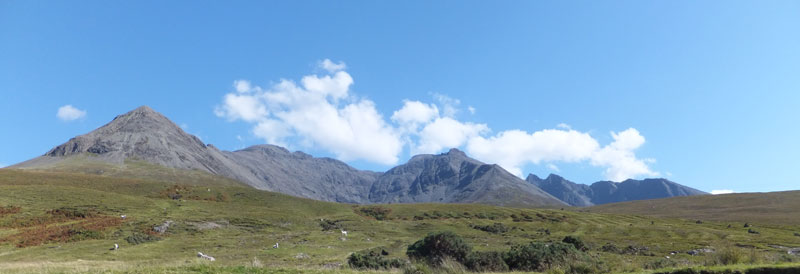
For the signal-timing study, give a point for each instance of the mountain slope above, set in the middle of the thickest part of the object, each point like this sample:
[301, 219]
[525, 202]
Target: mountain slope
[569, 192]
[300, 174]
[770, 207]
[453, 177]
[144, 136]
[605, 192]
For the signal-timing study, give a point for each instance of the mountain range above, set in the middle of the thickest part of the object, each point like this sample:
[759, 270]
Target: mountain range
[146, 135]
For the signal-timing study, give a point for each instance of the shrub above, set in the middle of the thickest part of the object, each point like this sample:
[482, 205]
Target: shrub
[417, 268]
[536, 256]
[660, 263]
[726, 256]
[436, 247]
[576, 242]
[486, 262]
[797, 234]
[330, 225]
[752, 231]
[609, 247]
[373, 259]
[495, 228]
[140, 238]
[378, 212]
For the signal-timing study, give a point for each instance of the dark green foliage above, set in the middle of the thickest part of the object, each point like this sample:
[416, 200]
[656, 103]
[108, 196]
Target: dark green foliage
[576, 242]
[752, 231]
[609, 247]
[486, 262]
[756, 270]
[84, 234]
[373, 259]
[378, 212]
[495, 228]
[660, 263]
[435, 247]
[140, 238]
[797, 234]
[330, 225]
[73, 213]
[536, 256]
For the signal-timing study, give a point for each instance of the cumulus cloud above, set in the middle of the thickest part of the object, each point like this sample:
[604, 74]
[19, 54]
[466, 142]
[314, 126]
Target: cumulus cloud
[314, 113]
[332, 67]
[414, 113]
[242, 86]
[444, 133]
[69, 113]
[321, 112]
[512, 149]
[722, 191]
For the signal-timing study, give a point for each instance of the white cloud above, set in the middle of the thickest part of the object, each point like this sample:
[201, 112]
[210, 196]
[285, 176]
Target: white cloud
[332, 67]
[449, 105]
[444, 133]
[242, 86]
[722, 191]
[514, 148]
[320, 112]
[414, 113]
[242, 106]
[313, 113]
[69, 113]
[471, 109]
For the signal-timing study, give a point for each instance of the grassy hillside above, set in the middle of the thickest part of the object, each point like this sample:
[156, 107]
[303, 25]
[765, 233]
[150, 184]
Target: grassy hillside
[56, 221]
[771, 208]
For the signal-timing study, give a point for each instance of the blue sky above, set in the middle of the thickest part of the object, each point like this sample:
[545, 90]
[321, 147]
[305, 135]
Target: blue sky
[703, 93]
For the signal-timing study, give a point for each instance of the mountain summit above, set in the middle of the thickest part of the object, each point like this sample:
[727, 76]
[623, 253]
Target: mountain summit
[145, 135]
[605, 192]
[453, 177]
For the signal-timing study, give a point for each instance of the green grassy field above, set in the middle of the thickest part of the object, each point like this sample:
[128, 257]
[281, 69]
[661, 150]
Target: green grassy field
[52, 221]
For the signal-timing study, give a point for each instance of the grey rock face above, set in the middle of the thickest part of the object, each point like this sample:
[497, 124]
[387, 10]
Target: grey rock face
[453, 177]
[604, 192]
[569, 192]
[144, 134]
[299, 174]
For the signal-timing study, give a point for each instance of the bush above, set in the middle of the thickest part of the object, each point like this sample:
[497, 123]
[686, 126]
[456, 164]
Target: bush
[660, 263]
[752, 231]
[378, 212]
[576, 242]
[418, 268]
[496, 228]
[373, 259]
[140, 238]
[727, 255]
[609, 247]
[797, 234]
[328, 225]
[486, 262]
[541, 256]
[436, 247]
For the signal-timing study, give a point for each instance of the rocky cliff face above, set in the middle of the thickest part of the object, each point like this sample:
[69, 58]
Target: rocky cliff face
[146, 135]
[453, 177]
